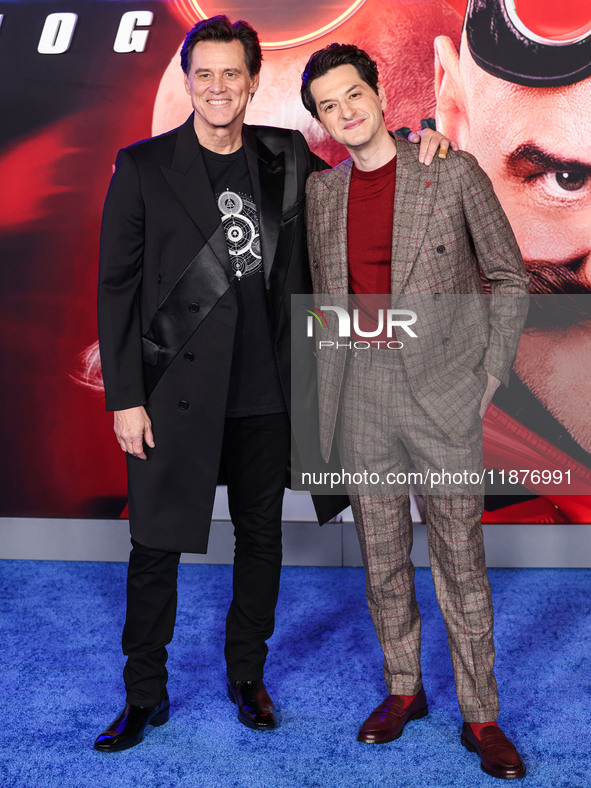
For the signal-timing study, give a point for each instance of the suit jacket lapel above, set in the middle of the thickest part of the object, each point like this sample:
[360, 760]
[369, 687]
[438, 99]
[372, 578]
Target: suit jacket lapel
[206, 278]
[337, 219]
[416, 186]
[189, 181]
[267, 175]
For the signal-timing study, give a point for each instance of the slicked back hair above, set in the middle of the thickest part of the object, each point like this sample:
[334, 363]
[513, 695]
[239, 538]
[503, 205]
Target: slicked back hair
[219, 28]
[333, 56]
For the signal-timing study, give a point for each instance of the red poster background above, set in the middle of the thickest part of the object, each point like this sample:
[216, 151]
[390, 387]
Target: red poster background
[64, 117]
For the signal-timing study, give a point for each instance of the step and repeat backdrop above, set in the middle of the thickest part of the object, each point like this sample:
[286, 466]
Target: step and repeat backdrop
[510, 81]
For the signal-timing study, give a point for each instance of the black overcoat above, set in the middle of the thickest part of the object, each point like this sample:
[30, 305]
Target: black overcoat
[167, 314]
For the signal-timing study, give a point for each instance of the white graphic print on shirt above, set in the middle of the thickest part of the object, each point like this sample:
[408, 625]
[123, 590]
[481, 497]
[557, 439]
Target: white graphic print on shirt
[241, 228]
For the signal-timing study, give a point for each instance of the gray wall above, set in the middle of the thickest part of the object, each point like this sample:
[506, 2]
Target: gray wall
[305, 544]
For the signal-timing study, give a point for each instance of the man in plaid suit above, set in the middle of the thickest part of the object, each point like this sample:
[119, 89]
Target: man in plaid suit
[378, 224]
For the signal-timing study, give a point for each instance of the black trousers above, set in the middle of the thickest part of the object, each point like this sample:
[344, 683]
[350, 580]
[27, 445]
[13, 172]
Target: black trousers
[254, 460]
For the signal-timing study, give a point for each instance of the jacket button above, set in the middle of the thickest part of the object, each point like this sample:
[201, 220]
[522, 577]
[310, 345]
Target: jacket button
[441, 249]
[183, 405]
[445, 341]
[193, 307]
[189, 356]
[436, 296]
[315, 265]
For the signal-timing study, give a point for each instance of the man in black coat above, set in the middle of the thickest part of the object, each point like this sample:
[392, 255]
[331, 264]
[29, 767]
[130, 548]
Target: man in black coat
[202, 244]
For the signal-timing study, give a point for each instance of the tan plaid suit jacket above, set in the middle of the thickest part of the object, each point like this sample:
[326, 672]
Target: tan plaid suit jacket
[448, 225]
[422, 405]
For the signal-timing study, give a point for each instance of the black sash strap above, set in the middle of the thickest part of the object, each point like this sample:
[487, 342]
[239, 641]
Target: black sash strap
[186, 306]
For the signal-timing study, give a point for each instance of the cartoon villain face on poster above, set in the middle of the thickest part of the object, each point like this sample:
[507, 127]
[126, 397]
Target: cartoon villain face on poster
[512, 85]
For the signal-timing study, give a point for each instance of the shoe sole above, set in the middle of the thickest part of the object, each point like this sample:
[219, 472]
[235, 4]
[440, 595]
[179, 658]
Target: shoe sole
[160, 718]
[246, 721]
[517, 775]
[418, 715]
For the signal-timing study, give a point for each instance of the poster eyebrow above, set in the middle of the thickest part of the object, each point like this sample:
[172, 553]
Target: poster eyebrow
[529, 153]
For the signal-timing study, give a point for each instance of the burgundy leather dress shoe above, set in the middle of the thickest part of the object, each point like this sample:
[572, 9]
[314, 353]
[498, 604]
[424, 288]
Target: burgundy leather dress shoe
[498, 756]
[387, 722]
[128, 728]
[255, 707]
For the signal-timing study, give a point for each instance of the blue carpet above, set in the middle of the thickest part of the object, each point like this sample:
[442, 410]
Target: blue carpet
[60, 684]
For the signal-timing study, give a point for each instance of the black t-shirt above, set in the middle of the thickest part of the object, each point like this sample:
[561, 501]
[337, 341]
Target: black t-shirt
[254, 379]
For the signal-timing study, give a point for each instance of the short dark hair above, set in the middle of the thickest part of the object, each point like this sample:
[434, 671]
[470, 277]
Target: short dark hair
[332, 56]
[219, 28]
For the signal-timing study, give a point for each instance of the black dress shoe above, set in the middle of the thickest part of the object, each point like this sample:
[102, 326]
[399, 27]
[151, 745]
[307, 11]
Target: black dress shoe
[255, 707]
[498, 755]
[129, 727]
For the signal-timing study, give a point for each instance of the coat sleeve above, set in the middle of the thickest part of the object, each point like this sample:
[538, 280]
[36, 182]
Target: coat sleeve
[501, 264]
[120, 276]
[312, 187]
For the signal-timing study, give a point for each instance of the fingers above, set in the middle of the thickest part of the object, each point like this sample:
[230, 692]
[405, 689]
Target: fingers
[425, 135]
[443, 148]
[432, 142]
[429, 144]
[132, 443]
[132, 427]
[148, 437]
[435, 143]
[137, 447]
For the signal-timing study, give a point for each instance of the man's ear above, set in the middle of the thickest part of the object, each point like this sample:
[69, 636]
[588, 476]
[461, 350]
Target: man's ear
[383, 97]
[451, 115]
[187, 85]
[254, 86]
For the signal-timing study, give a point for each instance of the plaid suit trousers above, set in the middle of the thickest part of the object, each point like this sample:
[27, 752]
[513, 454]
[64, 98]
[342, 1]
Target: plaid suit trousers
[382, 429]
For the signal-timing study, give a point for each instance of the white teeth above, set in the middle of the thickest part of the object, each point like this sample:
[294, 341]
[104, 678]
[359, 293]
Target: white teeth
[223, 101]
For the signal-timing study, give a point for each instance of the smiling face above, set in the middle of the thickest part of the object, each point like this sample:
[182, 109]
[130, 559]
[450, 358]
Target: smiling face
[348, 109]
[220, 87]
[535, 145]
